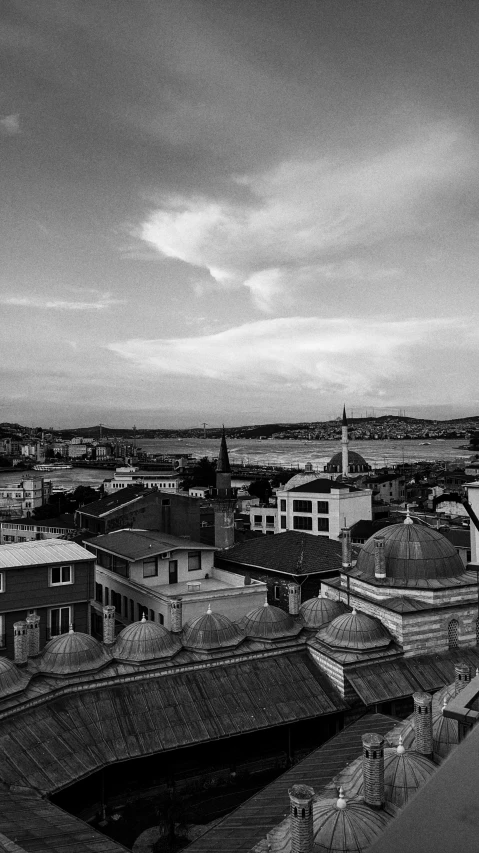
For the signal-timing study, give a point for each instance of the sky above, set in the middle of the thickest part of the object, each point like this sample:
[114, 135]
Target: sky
[238, 212]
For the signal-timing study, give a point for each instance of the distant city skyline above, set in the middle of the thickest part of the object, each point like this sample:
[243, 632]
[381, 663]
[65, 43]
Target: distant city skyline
[242, 212]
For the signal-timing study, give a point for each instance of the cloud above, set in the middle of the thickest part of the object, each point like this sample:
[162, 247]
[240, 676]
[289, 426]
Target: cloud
[324, 355]
[10, 125]
[103, 302]
[305, 221]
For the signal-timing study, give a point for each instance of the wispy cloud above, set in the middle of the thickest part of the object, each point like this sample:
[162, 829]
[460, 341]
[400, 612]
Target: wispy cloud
[324, 355]
[103, 302]
[306, 219]
[10, 125]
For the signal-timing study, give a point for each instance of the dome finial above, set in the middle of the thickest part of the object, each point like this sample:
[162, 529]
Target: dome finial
[266, 601]
[341, 802]
[143, 618]
[408, 519]
[354, 612]
[444, 704]
[400, 748]
[208, 612]
[70, 629]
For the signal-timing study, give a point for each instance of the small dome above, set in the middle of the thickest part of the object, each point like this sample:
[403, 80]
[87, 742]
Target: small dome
[445, 734]
[355, 631]
[316, 612]
[346, 826]
[12, 679]
[71, 653]
[404, 773]
[211, 631]
[142, 641]
[413, 553]
[269, 623]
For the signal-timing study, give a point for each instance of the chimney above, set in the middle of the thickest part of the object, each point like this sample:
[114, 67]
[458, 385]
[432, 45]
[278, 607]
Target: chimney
[33, 634]
[373, 770]
[379, 558]
[176, 618]
[346, 547]
[294, 598]
[109, 624]
[301, 818]
[224, 525]
[423, 723]
[20, 643]
[462, 676]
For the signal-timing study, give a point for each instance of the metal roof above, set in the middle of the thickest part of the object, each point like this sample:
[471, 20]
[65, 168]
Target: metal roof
[322, 486]
[137, 544]
[291, 553]
[38, 553]
[107, 504]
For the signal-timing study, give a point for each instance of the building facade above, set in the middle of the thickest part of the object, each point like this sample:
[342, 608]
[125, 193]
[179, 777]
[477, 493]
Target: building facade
[321, 507]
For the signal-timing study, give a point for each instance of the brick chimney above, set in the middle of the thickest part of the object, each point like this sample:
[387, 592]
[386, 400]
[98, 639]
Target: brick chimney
[20, 640]
[373, 770]
[423, 723]
[109, 624]
[294, 598]
[33, 634]
[301, 818]
[176, 615]
[379, 558]
[462, 676]
[346, 547]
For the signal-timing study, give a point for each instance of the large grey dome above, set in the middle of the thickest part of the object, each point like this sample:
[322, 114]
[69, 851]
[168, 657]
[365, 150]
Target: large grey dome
[12, 679]
[346, 826]
[356, 463]
[73, 652]
[269, 623]
[355, 632]
[211, 631]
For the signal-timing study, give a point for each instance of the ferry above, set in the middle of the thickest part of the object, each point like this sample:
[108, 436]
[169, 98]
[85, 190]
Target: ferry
[52, 467]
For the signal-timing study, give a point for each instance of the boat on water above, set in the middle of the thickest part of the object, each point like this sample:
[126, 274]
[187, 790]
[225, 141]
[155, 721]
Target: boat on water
[53, 467]
[423, 443]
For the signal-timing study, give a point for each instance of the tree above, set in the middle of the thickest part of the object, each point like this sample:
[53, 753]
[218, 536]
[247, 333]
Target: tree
[261, 489]
[85, 495]
[204, 473]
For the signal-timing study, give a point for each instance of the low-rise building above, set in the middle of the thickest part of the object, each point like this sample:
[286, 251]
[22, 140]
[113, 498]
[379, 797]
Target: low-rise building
[167, 481]
[27, 529]
[321, 507]
[21, 498]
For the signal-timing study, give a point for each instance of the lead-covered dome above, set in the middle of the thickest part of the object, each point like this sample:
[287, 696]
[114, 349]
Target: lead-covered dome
[73, 652]
[413, 553]
[404, 773]
[316, 612]
[142, 641]
[269, 623]
[341, 826]
[211, 631]
[355, 632]
[356, 463]
[12, 679]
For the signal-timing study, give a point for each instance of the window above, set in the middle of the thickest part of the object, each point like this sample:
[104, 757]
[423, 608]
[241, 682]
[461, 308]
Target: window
[107, 595]
[60, 575]
[60, 620]
[125, 607]
[132, 610]
[282, 505]
[194, 561]
[150, 568]
[276, 592]
[453, 634]
[270, 519]
[99, 593]
[152, 616]
[323, 507]
[283, 522]
[258, 519]
[301, 522]
[161, 618]
[323, 523]
[302, 506]
[166, 502]
[2, 631]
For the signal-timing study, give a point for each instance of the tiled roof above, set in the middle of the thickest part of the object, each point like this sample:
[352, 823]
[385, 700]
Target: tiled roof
[42, 552]
[322, 487]
[124, 496]
[135, 544]
[291, 553]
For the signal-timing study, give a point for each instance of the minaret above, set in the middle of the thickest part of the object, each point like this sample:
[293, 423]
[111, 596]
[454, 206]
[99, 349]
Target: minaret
[223, 470]
[344, 444]
[224, 500]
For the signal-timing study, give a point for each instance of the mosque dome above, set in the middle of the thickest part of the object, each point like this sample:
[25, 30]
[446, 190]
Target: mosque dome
[356, 463]
[269, 623]
[346, 826]
[404, 773]
[142, 641]
[211, 631]
[12, 679]
[355, 632]
[413, 553]
[71, 653]
[445, 734]
[316, 612]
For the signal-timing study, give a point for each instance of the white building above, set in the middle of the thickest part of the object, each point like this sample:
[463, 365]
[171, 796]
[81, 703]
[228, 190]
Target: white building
[166, 481]
[20, 499]
[322, 507]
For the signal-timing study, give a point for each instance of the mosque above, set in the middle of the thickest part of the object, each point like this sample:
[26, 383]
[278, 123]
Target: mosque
[346, 462]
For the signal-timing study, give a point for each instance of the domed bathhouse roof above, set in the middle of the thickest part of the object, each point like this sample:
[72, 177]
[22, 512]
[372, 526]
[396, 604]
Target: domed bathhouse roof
[413, 554]
[269, 623]
[405, 772]
[346, 826]
[211, 631]
[73, 652]
[316, 612]
[12, 679]
[445, 734]
[355, 632]
[142, 641]
[356, 463]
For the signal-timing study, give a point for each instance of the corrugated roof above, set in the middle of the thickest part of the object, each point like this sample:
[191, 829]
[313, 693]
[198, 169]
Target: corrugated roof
[45, 551]
[283, 552]
[135, 544]
[248, 824]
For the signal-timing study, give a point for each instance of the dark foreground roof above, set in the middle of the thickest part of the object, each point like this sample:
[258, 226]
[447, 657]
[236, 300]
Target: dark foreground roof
[123, 496]
[290, 552]
[137, 544]
[322, 486]
[247, 825]
[57, 743]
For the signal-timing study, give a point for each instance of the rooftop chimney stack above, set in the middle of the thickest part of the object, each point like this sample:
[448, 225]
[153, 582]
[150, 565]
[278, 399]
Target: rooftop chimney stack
[33, 634]
[20, 640]
[301, 817]
[423, 723]
[176, 615]
[373, 770]
[462, 676]
[346, 546]
[379, 558]
[294, 598]
[109, 624]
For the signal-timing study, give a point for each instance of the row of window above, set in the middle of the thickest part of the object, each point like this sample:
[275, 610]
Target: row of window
[57, 576]
[304, 522]
[124, 606]
[59, 620]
